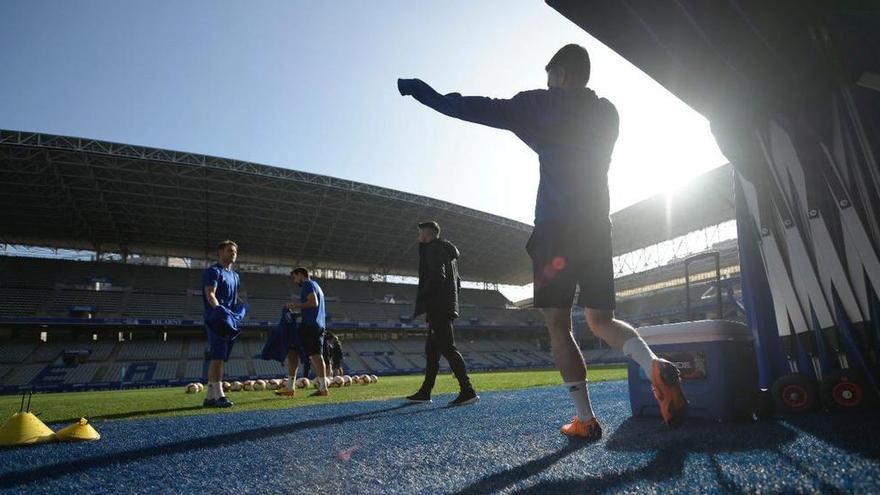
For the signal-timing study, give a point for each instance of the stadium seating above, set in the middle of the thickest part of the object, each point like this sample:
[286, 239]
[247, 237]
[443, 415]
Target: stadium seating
[23, 374]
[16, 353]
[51, 288]
[82, 374]
[35, 287]
[151, 350]
[150, 363]
[22, 301]
[194, 370]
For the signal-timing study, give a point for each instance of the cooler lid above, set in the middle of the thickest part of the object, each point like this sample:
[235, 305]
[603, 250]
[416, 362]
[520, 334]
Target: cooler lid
[696, 331]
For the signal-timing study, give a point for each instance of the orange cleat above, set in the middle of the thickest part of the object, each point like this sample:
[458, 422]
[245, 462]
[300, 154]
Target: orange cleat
[283, 392]
[319, 393]
[588, 430]
[666, 384]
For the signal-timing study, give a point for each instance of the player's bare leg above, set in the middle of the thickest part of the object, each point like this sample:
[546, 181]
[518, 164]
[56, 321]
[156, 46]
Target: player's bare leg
[665, 379]
[320, 375]
[570, 363]
[292, 365]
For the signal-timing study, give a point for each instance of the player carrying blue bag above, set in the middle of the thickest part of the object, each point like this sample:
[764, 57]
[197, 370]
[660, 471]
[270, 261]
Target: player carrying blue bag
[224, 313]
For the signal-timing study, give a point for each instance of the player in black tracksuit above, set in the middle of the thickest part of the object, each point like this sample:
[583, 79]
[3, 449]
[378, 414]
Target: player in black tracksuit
[333, 354]
[437, 299]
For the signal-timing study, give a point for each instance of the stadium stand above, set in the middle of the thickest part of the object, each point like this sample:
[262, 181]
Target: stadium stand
[22, 300]
[22, 375]
[150, 350]
[194, 370]
[138, 291]
[171, 296]
[16, 353]
[150, 363]
[82, 374]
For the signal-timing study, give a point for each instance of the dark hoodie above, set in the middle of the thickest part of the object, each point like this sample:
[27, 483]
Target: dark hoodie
[573, 131]
[439, 282]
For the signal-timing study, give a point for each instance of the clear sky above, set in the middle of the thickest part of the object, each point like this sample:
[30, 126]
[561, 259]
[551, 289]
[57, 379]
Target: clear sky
[311, 85]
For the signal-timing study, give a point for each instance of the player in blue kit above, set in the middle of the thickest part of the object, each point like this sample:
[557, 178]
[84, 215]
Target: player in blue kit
[221, 304]
[573, 131]
[312, 328]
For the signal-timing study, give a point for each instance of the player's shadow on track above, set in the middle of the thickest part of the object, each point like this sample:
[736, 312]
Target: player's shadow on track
[498, 481]
[79, 466]
[855, 432]
[671, 450]
[151, 413]
[138, 414]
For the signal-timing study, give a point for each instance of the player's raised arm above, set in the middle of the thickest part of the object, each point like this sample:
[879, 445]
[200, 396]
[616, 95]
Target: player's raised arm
[510, 114]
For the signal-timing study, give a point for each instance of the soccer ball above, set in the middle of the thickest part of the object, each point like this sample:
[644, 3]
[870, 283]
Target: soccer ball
[260, 385]
[356, 379]
[365, 379]
[303, 383]
[235, 386]
[346, 380]
[191, 388]
[248, 385]
[226, 386]
[374, 378]
[272, 384]
[337, 381]
[200, 387]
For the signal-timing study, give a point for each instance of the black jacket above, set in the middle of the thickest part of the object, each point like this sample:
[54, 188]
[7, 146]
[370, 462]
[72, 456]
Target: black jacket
[439, 282]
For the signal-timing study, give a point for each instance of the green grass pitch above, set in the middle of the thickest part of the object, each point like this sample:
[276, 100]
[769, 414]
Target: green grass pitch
[173, 401]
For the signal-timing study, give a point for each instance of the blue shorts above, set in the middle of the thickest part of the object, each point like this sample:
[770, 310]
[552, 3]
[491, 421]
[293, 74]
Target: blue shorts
[312, 339]
[567, 260]
[219, 348]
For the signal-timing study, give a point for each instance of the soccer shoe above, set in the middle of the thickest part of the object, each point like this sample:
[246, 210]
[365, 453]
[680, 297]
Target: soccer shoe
[467, 396]
[588, 430]
[666, 385]
[283, 392]
[219, 402]
[420, 397]
[319, 393]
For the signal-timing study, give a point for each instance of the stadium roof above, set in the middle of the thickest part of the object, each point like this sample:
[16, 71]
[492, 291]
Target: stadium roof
[705, 201]
[69, 192]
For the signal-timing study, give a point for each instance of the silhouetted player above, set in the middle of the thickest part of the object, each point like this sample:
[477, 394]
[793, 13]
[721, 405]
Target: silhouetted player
[437, 299]
[573, 131]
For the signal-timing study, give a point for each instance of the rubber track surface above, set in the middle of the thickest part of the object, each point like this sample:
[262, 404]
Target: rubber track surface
[508, 443]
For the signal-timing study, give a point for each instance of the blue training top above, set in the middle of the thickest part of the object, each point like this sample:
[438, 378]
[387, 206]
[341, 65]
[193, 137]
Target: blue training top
[573, 131]
[226, 284]
[313, 316]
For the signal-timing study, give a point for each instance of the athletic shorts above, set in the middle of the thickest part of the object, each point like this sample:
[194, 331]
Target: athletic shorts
[219, 347]
[312, 339]
[569, 259]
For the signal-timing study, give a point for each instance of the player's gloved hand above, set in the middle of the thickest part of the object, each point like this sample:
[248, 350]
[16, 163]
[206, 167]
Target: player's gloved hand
[407, 87]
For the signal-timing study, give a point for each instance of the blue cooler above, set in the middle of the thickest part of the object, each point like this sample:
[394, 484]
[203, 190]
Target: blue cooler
[717, 364]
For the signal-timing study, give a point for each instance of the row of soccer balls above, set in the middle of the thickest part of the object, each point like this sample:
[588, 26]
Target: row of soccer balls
[257, 385]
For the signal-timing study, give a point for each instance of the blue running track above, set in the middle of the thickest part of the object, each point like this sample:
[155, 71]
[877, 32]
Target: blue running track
[508, 443]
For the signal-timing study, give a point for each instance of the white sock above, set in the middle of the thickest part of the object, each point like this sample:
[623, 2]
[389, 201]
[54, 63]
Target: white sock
[581, 397]
[637, 350]
[322, 383]
[291, 382]
[215, 390]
